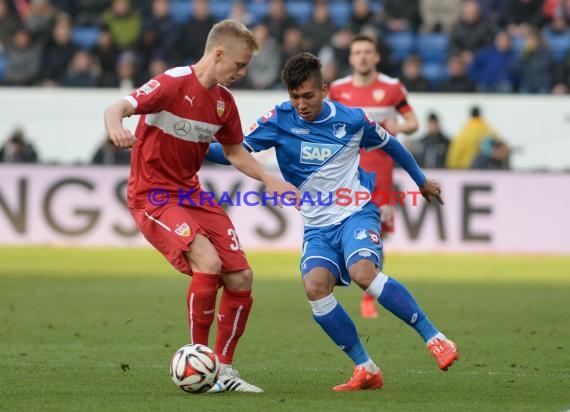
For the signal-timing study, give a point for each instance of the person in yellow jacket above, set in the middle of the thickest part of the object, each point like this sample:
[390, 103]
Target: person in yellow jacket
[466, 145]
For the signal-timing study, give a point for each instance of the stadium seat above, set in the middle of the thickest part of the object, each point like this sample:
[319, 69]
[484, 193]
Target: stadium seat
[221, 9]
[86, 36]
[558, 43]
[434, 72]
[402, 44]
[340, 12]
[181, 10]
[258, 9]
[301, 11]
[432, 47]
[377, 6]
[3, 63]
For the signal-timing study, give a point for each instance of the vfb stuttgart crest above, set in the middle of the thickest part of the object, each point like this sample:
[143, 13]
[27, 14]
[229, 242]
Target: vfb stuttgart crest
[378, 95]
[220, 107]
[183, 230]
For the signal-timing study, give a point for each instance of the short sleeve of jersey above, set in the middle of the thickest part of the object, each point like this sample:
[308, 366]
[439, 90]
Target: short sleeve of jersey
[374, 136]
[402, 105]
[231, 131]
[156, 94]
[263, 133]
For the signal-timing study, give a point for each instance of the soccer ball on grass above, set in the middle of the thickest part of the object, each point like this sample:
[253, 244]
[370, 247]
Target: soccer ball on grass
[194, 368]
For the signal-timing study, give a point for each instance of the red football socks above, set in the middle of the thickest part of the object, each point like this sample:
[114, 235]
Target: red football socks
[232, 317]
[201, 305]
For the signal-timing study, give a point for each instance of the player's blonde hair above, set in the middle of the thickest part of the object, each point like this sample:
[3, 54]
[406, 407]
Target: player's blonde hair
[227, 33]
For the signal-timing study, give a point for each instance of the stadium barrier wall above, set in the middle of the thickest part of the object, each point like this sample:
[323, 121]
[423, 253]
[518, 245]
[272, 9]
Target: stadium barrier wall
[494, 212]
[66, 125]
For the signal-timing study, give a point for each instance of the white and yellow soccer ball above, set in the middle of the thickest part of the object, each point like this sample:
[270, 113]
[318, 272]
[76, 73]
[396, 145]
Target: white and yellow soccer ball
[194, 368]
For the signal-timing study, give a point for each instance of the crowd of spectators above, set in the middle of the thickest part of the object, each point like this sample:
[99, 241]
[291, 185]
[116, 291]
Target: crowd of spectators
[476, 146]
[433, 45]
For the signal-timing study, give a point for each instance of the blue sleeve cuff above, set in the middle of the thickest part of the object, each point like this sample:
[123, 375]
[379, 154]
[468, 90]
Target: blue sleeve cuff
[216, 154]
[405, 159]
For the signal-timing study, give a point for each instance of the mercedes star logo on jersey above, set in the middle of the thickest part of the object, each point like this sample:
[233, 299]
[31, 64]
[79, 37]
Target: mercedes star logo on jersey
[182, 128]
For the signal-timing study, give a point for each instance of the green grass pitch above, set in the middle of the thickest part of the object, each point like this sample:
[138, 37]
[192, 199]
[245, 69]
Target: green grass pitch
[94, 330]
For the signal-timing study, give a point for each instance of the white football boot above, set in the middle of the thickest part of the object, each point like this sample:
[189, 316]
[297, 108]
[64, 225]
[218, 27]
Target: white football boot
[229, 380]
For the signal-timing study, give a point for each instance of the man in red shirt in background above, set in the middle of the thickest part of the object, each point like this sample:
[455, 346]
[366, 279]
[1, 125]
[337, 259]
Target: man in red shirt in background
[182, 110]
[383, 98]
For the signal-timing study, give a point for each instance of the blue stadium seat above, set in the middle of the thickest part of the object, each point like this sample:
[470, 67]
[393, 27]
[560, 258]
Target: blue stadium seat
[181, 11]
[432, 47]
[377, 6]
[434, 72]
[559, 44]
[3, 62]
[221, 9]
[85, 37]
[402, 44]
[340, 12]
[258, 9]
[301, 11]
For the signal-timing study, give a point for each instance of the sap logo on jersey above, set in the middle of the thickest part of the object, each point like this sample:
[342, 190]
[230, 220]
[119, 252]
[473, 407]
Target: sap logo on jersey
[317, 153]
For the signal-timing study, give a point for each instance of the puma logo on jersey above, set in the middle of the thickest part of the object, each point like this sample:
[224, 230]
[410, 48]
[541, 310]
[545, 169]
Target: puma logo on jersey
[317, 153]
[190, 99]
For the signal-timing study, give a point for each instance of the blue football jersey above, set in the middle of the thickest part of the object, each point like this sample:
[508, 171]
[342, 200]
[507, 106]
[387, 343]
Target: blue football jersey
[321, 156]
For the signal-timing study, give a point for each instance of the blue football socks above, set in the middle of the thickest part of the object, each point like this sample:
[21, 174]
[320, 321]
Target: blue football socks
[336, 323]
[394, 296]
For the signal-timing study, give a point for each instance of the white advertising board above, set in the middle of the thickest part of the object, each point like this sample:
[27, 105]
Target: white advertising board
[483, 212]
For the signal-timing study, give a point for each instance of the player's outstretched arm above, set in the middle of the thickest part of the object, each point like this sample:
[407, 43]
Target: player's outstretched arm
[405, 159]
[428, 187]
[242, 160]
[216, 154]
[113, 116]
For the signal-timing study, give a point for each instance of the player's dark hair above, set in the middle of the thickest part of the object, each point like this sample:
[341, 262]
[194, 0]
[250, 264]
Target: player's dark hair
[300, 68]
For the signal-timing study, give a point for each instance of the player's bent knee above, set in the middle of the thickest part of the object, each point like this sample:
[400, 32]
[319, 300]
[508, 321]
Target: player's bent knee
[317, 289]
[363, 273]
[240, 280]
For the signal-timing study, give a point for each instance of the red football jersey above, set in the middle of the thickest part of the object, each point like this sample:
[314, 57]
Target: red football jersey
[180, 117]
[382, 100]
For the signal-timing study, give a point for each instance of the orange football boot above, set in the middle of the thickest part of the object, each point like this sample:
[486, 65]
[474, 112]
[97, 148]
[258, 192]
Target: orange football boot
[368, 307]
[361, 379]
[444, 351]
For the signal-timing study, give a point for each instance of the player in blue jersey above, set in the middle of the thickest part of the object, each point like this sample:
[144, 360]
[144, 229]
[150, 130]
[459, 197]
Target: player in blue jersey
[317, 144]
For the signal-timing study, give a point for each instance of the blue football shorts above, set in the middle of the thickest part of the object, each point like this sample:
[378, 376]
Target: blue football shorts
[339, 246]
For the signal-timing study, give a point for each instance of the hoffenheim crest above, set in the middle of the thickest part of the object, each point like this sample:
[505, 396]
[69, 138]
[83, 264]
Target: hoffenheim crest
[360, 234]
[339, 130]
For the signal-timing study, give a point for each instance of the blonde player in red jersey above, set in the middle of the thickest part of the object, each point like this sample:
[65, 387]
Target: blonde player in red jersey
[383, 98]
[181, 112]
